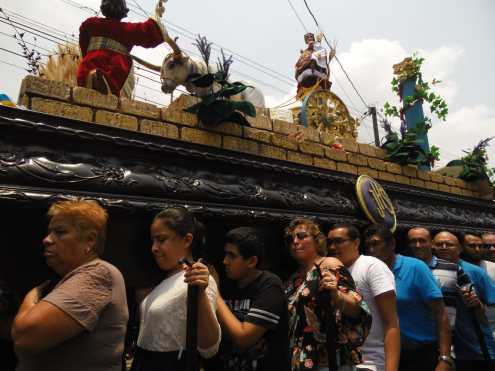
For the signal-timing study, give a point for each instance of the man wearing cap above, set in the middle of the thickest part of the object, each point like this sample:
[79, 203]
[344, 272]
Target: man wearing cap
[106, 44]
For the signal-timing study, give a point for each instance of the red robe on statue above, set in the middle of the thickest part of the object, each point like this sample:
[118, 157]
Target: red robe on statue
[114, 65]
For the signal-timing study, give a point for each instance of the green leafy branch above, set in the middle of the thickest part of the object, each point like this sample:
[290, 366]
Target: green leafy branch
[475, 163]
[407, 147]
[217, 107]
[437, 104]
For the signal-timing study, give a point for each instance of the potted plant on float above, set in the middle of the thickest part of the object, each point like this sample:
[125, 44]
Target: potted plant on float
[218, 106]
[410, 147]
[475, 169]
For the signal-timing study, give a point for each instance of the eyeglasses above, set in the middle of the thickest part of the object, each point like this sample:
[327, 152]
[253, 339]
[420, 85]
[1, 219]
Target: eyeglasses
[337, 241]
[488, 246]
[474, 245]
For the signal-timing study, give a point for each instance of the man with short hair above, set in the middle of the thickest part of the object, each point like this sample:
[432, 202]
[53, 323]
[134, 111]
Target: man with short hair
[421, 246]
[375, 281]
[489, 245]
[488, 239]
[476, 291]
[473, 251]
[253, 314]
[424, 324]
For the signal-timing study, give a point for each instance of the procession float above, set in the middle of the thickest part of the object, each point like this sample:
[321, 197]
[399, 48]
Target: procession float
[216, 150]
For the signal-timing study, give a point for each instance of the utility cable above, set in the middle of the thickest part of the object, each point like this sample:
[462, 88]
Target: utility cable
[297, 16]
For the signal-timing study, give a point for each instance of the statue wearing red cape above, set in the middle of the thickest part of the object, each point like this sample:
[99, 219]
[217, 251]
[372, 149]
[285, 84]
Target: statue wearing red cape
[106, 44]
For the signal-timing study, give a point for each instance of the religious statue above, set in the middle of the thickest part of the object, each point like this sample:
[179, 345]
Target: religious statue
[312, 67]
[106, 43]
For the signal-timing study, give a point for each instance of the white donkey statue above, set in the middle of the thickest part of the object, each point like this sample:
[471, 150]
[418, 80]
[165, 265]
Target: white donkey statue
[178, 69]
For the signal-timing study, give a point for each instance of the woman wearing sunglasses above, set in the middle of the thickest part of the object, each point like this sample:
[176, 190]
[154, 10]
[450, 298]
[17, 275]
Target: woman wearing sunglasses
[328, 320]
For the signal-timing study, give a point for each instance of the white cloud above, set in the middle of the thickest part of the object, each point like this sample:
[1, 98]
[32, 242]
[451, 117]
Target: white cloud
[369, 63]
[462, 131]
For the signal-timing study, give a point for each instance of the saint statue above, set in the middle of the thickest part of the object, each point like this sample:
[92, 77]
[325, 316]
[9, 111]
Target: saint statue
[106, 43]
[312, 67]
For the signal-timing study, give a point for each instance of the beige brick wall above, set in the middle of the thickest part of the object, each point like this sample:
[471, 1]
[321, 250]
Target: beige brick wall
[265, 137]
[89, 97]
[284, 141]
[324, 163]
[200, 137]
[273, 152]
[346, 168]
[299, 158]
[142, 109]
[256, 134]
[335, 154]
[33, 85]
[240, 145]
[312, 148]
[62, 109]
[159, 128]
[117, 120]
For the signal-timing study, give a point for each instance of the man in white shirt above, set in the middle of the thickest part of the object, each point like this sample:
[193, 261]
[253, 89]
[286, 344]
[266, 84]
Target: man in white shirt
[375, 281]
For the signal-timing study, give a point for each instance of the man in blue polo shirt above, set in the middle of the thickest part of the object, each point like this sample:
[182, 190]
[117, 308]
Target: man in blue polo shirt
[477, 291]
[424, 324]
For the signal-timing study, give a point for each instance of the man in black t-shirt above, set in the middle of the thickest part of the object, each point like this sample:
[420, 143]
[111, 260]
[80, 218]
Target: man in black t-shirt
[253, 313]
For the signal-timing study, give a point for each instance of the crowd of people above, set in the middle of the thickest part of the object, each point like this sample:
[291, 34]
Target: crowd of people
[353, 303]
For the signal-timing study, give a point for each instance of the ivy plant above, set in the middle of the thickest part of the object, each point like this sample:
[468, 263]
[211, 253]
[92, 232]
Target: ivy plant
[406, 147]
[475, 163]
[217, 107]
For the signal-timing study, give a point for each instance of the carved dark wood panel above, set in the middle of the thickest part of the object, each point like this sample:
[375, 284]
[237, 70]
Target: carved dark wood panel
[43, 158]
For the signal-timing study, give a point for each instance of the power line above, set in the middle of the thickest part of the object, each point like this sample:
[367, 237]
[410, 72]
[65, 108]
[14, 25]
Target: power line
[28, 43]
[80, 6]
[11, 52]
[13, 65]
[32, 30]
[36, 23]
[297, 16]
[217, 47]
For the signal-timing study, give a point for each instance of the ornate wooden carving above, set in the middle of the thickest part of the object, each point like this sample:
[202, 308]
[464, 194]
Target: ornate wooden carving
[43, 158]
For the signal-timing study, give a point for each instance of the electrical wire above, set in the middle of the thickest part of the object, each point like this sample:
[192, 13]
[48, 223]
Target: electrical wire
[11, 52]
[297, 16]
[13, 65]
[217, 48]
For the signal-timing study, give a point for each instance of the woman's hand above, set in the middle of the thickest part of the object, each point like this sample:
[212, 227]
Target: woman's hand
[329, 282]
[197, 275]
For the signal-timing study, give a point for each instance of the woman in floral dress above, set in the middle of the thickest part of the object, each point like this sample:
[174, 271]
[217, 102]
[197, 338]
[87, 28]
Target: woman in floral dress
[326, 314]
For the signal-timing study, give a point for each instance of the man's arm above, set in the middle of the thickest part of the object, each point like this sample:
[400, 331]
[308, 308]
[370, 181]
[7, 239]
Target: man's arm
[242, 334]
[444, 338]
[40, 325]
[387, 307]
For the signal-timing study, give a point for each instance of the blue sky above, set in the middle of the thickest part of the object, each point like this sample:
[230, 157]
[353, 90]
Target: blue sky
[456, 38]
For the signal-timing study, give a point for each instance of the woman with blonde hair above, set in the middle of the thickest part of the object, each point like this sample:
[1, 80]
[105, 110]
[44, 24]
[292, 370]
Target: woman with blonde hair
[328, 320]
[81, 322]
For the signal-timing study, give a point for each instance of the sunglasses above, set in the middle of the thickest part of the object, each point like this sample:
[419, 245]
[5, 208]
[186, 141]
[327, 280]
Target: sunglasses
[300, 236]
[488, 246]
